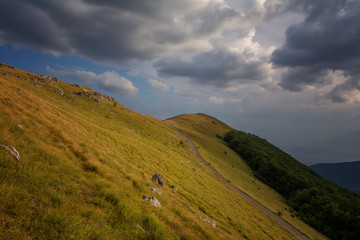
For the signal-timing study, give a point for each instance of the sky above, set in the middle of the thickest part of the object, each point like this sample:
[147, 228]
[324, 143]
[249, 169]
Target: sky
[285, 70]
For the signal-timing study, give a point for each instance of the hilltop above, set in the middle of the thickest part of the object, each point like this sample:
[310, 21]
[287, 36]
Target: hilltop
[85, 163]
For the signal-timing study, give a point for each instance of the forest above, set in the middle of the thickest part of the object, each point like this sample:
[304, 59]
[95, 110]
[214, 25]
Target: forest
[332, 210]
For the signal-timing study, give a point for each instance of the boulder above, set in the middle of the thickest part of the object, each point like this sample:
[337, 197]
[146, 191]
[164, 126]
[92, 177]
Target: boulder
[153, 201]
[155, 190]
[159, 179]
[209, 221]
[60, 92]
[173, 187]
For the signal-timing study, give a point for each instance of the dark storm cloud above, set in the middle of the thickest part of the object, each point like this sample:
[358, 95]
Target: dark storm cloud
[296, 79]
[327, 40]
[108, 31]
[219, 68]
[209, 19]
[25, 24]
[70, 27]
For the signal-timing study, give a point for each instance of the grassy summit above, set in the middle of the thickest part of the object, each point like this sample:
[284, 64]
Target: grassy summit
[86, 162]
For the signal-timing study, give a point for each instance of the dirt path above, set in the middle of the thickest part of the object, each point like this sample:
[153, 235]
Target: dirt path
[252, 201]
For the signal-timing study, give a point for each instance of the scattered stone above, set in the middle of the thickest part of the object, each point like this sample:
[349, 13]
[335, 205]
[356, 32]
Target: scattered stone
[38, 85]
[34, 79]
[19, 90]
[155, 190]
[17, 76]
[214, 122]
[97, 101]
[99, 95]
[173, 187]
[5, 74]
[50, 79]
[12, 151]
[89, 94]
[153, 201]
[19, 126]
[6, 65]
[159, 179]
[211, 222]
[60, 92]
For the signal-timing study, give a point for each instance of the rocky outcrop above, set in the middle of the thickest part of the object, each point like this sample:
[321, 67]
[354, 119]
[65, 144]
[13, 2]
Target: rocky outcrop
[153, 201]
[158, 179]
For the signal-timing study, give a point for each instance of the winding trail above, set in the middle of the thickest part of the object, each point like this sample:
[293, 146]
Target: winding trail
[252, 201]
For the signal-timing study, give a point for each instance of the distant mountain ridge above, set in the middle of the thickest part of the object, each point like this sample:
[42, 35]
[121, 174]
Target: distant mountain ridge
[343, 174]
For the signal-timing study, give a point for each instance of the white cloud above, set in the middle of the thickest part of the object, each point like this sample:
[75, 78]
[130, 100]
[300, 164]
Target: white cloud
[159, 85]
[77, 75]
[110, 81]
[133, 72]
[217, 100]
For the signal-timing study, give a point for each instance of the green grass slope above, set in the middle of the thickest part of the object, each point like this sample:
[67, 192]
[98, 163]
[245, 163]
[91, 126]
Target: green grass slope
[207, 133]
[86, 161]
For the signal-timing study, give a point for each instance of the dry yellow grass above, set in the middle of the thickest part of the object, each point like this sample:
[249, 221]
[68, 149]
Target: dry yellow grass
[85, 164]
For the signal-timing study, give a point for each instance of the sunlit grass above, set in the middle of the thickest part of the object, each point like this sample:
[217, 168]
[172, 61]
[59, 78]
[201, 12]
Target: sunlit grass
[206, 132]
[85, 165]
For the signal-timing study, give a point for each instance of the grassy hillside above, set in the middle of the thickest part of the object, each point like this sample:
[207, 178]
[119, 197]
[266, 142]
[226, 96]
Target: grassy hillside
[328, 208]
[86, 161]
[207, 133]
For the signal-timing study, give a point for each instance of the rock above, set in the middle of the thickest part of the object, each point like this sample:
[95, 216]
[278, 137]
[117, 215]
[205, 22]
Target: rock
[60, 92]
[153, 201]
[12, 151]
[19, 126]
[159, 179]
[89, 94]
[50, 79]
[211, 222]
[155, 190]
[6, 65]
[173, 187]
[19, 90]
[99, 95]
